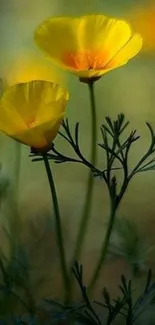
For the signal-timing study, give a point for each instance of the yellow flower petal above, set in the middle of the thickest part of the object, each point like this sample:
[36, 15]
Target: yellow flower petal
[40, 136]
[30, 111]
[128, 51]
[31, 99]
[89, 73]
[10, 120]
[104, 35]
[59, 35]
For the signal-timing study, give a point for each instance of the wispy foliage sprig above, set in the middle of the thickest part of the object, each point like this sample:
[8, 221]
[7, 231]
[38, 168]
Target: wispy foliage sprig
[116, 150]
[124, 305]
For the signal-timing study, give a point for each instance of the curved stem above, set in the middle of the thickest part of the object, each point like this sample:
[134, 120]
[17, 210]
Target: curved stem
[90, 184]
[57, 224]
[104, 247]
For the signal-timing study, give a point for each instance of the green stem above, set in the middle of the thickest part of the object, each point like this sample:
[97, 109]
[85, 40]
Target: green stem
[18, 147]
[14, 216]
[57, 224]
[93, 122]
[104, 247]
[90, 184]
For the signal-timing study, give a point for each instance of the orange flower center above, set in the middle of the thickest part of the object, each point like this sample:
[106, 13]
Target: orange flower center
[31, 123]
[87, 60]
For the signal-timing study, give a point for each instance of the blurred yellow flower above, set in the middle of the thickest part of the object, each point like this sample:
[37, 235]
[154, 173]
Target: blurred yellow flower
[143, 21]
[32, 67]
[88, 46]
[32, 112]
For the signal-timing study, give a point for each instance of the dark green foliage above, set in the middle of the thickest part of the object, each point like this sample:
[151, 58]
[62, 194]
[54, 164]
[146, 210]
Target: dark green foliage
[15, 283]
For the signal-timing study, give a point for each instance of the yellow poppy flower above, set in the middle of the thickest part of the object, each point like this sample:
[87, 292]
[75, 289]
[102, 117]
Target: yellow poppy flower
[32, 112]
[143, 21]
[88, 46]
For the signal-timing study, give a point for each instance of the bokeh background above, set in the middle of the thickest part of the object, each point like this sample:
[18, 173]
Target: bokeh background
[130, 90]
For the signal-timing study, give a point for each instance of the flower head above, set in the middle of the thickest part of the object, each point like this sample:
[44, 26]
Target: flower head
[88, 46]
[32, 112]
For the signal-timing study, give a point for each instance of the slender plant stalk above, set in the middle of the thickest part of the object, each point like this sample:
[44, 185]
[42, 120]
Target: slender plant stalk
[14, 217]
[57, 224]
[89, 191]
[18, 152]
[104, 247]
[90, 184]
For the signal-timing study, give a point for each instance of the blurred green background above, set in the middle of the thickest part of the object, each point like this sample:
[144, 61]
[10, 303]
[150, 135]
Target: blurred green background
[130, 90]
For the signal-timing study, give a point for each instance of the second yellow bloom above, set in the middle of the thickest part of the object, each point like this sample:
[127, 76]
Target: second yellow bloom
[32, 112]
